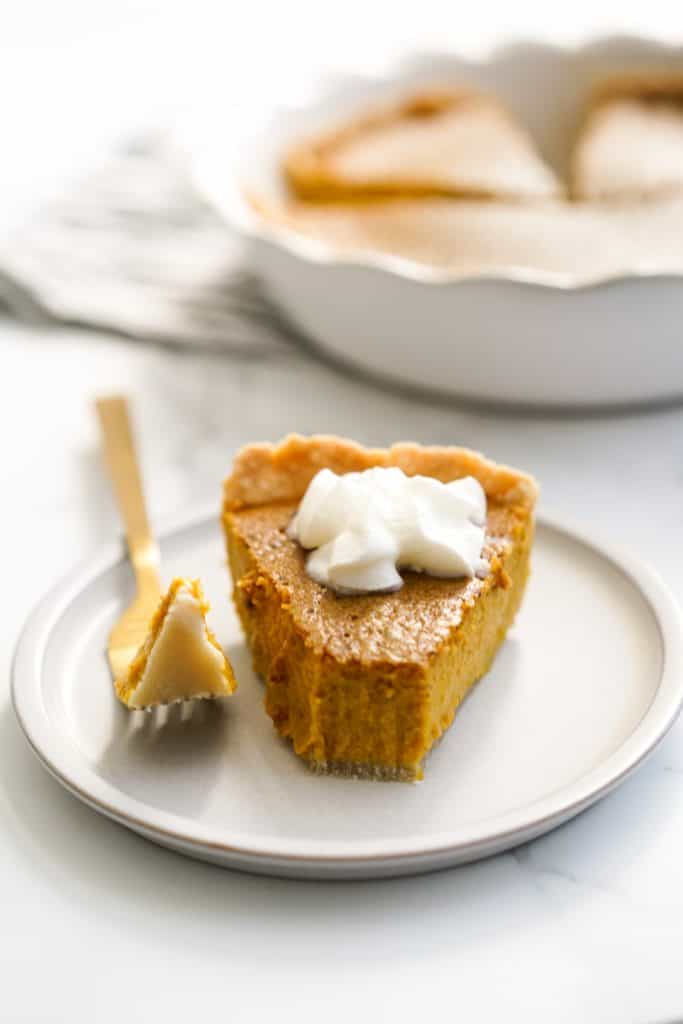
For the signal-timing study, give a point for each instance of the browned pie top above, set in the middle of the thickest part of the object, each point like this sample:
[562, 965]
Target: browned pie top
[654, 88]
[403, 627]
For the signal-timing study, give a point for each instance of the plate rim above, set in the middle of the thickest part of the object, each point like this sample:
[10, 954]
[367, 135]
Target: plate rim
[375, 856]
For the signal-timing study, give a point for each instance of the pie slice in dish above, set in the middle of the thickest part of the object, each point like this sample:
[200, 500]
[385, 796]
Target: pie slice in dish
[631, 144]
[181, 658]
[453, 143]
[366, 684]
[465, 236]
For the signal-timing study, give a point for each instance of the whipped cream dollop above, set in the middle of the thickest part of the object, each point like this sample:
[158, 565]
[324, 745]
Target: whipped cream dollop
[361, 528]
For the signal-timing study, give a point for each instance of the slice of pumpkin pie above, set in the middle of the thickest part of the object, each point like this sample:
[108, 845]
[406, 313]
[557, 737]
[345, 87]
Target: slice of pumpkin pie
[180, 659]
[439, 142]
[631, 143]
[374, 587]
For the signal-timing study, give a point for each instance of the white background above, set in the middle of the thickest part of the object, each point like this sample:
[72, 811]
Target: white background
[99, 926]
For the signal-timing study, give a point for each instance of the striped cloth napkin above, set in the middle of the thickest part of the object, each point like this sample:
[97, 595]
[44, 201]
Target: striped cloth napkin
[134, 250]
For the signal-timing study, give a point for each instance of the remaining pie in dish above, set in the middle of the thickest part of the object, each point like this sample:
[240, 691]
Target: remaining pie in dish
[181, 658]
[631, 144]
[467, 236]
[447, 142]
[366, 684]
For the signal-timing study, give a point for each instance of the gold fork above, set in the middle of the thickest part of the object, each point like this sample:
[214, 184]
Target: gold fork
[122, 465]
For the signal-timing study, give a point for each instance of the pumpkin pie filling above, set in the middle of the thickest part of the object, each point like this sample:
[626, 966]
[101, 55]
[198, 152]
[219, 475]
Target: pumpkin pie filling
[365, 684]
[180, 658]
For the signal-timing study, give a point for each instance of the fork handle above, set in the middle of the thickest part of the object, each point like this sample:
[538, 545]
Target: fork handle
[122, 464]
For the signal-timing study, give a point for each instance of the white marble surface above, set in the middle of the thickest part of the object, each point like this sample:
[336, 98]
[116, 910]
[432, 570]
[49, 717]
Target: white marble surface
[584, 924]
[100, 926]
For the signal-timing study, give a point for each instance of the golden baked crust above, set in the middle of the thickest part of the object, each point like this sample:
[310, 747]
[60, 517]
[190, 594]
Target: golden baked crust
[267, 473]
[366, 684]
[477, 140]
[647, 86]
[630, 144]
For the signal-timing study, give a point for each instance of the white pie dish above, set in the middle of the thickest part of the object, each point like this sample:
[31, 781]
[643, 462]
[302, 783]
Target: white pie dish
[523, 335]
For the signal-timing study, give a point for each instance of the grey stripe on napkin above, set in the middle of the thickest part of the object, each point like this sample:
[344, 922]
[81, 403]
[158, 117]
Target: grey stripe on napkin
[133, 249]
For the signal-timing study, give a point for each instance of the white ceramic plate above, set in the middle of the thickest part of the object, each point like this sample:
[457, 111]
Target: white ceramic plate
[585, 686]
[604, 332]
